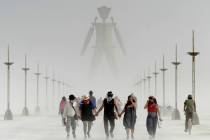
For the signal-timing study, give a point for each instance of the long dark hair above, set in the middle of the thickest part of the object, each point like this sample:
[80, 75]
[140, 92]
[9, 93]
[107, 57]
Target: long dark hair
[129, 102]
[153, 98]
[63, 98]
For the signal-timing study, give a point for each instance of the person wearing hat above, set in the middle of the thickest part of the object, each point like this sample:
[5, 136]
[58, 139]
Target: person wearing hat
[87, 108]
[109, 107]
[189, 109]
[69, 114]
[152, 117]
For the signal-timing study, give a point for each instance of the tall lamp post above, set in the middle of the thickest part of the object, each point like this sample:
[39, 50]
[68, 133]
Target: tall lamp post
[37, 109]
[176, 113]
[64, 91]
[25, 69]
[53, 90]
[8, 114]
[155, 74]
[59, 90]
[164, 69]
[193, 54]
[138, 84]
[46, 90]
[149, 83]
[144, 82]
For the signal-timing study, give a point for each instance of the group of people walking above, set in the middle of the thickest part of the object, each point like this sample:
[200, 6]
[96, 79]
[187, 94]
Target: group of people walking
[86, 110]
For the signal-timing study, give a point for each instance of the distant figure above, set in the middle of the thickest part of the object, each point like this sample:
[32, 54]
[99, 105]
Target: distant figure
[189, 109]
[109, 114]
[92, 98]
[87, 108]
[152, 117]
[61, 107]
[69, 116]
[129, 119]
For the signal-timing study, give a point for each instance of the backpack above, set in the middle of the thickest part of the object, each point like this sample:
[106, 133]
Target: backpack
[189, 104]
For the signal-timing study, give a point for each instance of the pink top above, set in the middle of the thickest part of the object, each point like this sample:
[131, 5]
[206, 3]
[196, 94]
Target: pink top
[62, 105]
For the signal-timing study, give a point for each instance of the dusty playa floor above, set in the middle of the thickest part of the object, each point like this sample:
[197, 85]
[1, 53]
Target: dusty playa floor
[49, 128]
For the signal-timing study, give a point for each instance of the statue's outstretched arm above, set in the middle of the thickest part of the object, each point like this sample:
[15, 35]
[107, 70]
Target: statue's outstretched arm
[118, 36]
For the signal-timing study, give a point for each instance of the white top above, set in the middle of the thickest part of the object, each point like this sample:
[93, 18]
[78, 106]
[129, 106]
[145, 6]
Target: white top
[68, 111]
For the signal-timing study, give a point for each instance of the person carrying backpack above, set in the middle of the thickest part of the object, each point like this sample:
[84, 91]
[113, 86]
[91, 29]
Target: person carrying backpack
[189, 109]
[109, 106]
[69, 116]
[87, 108]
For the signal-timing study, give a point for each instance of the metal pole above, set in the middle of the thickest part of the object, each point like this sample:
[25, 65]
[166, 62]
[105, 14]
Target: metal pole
[155, 74]
[8, 114]
[25, 69]
[193, 67]
[176, 86]
[37, 110]
[25, 89]
[144, 80]
[46, 90]
[59, 88]
[63, 88]
[53, 90]
[59, 91]
[8, 86]
[37, 90]
[164, 103]
[176, 79]
[193, 54]
[176, 114]
[163, 71]
[149, 79]
[140, 85]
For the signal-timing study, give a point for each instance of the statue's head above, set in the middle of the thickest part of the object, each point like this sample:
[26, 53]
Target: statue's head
[104, 12]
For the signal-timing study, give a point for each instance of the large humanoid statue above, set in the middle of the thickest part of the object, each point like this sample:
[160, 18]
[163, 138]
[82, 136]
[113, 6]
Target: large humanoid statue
[104, 41]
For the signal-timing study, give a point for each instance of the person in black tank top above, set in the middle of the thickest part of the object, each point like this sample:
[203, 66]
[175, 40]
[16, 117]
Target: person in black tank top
[109, 109]
[109, 114]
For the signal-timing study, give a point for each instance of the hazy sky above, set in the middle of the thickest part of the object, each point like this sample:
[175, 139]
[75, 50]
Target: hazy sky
[52, 33]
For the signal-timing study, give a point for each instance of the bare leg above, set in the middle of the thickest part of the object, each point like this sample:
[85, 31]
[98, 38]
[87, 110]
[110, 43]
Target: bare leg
[89, 128]
[85, 123]
[128, 133]
[68, 123]
[132, 133]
